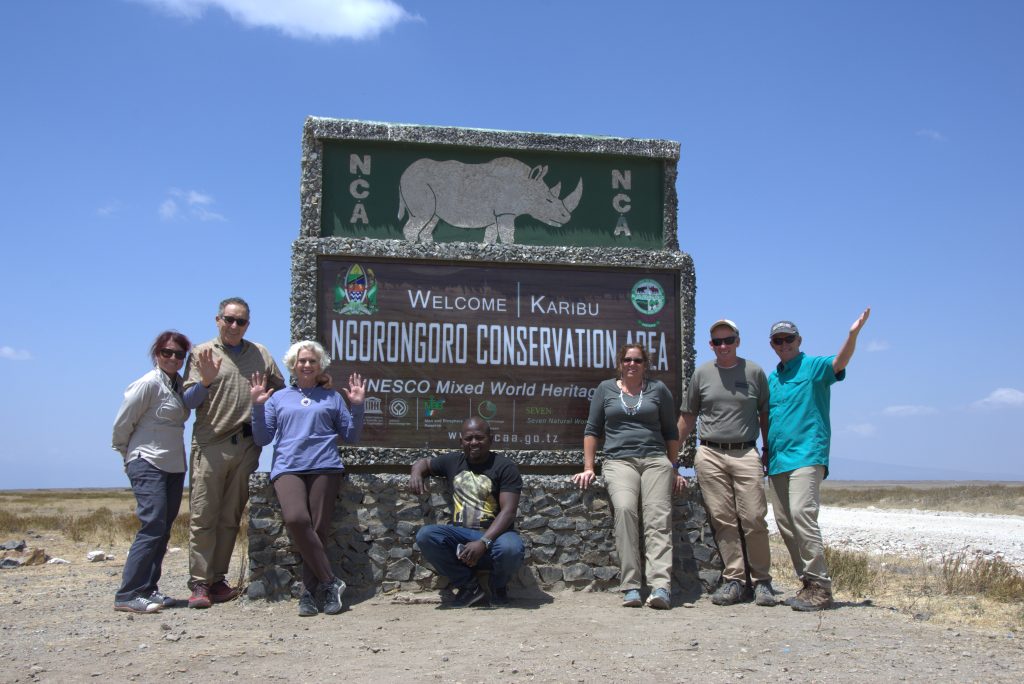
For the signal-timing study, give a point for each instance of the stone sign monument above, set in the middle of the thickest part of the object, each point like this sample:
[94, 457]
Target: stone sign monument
[469, 272]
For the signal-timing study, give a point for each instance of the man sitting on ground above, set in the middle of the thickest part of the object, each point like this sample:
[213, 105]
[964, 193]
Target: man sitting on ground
[485, 491]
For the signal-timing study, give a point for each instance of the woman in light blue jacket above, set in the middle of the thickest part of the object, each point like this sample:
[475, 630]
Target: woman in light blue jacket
[149, 434]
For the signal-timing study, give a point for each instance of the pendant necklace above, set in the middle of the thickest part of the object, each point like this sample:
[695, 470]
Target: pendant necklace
[631, 410]
[305, 401]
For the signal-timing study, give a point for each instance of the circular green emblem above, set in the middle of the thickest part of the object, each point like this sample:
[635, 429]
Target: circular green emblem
[648, 296]
[487, 409]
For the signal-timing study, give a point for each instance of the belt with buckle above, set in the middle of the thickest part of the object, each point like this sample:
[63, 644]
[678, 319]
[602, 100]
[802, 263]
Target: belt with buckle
[728, 445]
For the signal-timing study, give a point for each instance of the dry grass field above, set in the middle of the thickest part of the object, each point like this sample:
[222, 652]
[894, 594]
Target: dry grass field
[982, 593]
[966, 497]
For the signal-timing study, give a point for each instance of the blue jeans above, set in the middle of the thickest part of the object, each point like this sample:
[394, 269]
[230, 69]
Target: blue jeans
[437, 543]
[157, 498]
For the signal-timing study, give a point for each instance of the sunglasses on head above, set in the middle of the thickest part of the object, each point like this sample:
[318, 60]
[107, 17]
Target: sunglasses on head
[231, 320]
[632, 359]
[719, 341]
[783, 339]
[168, 353]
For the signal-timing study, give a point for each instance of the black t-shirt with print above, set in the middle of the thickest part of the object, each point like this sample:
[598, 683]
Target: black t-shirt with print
[475, 486]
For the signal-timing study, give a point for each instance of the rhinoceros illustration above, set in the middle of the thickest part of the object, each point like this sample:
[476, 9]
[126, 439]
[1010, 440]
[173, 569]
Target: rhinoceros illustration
[489, 196]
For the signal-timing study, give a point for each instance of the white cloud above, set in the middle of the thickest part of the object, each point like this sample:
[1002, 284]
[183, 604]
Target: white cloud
[930, 134]
[193, 198]
[108, 209]
[902, 410]
[1004, 397]
[192, 201]
[877, 345]
[12, 354]
[355, 19]
[204, 214]
[862, 429]
[168, 209]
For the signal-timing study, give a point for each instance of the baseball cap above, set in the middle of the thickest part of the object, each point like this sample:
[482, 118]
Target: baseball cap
[784, 328]
[724, 321]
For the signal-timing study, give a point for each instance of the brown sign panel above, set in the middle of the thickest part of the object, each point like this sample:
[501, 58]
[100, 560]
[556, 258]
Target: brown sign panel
[523, 346]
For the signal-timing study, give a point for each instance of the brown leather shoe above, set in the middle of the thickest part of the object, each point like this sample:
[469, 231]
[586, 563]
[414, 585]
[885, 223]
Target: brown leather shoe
[817, 597]
[200, 597]
[221, 592]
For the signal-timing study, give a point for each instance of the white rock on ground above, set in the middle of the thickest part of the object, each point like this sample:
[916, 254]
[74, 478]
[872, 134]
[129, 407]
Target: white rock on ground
[926, 534]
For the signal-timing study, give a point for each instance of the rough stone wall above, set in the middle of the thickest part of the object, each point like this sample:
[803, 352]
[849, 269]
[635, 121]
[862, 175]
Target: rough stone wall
[568, 536]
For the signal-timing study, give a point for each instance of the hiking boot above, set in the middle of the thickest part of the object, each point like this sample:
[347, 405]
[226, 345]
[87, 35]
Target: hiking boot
[729, 593]
[764, 595]
[139, 604]
[200, 597]
[165, 601]
[499, 597]
[307, 605]
[468, 595]
[330, 593]
[816, 597]
[659, 599]
[801, 593]
[632, 599]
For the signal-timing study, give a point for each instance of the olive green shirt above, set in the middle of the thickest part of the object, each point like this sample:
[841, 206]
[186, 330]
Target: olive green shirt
[228, 404]
[728, 401]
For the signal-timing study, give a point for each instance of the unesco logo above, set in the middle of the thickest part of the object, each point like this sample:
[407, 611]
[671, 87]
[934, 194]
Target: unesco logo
[398, 408]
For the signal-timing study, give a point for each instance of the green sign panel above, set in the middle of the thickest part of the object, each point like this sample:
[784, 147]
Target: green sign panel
[425, 193]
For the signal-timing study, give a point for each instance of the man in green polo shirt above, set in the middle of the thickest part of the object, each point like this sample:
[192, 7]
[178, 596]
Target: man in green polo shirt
[799, 433]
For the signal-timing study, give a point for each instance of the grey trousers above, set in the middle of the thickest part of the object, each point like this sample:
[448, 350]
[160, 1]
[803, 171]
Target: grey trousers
[646, 481]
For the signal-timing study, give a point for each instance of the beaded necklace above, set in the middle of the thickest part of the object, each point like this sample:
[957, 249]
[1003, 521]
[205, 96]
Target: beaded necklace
[631, 410]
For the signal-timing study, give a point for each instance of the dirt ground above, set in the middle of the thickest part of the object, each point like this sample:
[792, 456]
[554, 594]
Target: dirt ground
[57, 624]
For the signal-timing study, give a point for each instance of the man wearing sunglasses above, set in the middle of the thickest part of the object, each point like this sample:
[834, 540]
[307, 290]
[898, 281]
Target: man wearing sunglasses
[730, 397]
[223, 452]
[798, 443]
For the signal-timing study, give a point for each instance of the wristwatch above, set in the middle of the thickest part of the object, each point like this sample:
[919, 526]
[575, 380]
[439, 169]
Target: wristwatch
[487, 543]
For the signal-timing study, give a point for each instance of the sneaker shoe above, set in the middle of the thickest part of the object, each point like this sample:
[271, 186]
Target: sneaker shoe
[139, 604]
[200, 597]
[817, 597]
[499, 597]
[764, 595]
[659, 599]
[165, 601]
[729, 593]
[307, 605]
[468, 595]
[331, 595]
[221, 592]
[631, 599]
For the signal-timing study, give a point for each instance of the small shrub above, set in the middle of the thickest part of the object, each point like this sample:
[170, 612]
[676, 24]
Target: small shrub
[977, 575]
[851, 571]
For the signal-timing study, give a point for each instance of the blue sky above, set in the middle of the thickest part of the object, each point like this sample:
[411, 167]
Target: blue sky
[834, 156]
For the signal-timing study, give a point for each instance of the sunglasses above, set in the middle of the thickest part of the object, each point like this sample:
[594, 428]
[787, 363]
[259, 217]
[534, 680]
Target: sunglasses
[779, 341]
[168, 353]
[231, 320]
[719, 341]
[632, 359]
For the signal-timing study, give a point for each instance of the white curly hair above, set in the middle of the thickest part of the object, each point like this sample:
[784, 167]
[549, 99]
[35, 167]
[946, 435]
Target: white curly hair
[292, 355]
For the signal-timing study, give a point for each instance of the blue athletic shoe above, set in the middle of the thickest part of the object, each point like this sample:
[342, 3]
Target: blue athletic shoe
[632, 599]
[659, 599]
